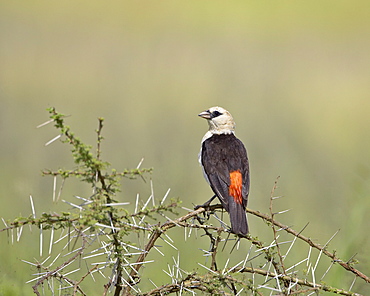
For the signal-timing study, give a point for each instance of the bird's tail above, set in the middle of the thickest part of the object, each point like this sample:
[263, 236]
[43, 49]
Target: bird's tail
[238, 219]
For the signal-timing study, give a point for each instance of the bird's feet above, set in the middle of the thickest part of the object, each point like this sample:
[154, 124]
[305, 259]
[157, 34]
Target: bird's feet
[206, 205]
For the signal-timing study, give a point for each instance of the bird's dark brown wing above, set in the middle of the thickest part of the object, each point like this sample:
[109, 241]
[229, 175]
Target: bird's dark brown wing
[221, 155]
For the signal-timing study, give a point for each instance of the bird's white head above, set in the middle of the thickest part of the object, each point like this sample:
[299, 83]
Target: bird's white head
[219, 120]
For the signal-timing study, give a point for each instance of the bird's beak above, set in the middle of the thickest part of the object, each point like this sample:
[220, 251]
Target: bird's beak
[205, 114]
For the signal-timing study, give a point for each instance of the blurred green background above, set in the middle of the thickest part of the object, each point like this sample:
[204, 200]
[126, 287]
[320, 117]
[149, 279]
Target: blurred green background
[295, 75]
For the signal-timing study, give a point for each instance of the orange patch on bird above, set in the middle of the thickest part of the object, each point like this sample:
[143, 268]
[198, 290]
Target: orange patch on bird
[236, 184]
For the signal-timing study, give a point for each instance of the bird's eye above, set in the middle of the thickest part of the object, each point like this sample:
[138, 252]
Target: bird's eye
[216, 113]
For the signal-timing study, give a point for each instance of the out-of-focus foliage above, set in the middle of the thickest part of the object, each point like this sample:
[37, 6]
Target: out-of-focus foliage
[294, 75]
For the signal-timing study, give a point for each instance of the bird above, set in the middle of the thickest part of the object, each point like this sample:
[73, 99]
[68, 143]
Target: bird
[224, 161]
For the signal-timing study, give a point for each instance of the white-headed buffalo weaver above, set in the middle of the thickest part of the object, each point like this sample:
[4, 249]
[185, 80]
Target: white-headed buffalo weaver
[225, 166]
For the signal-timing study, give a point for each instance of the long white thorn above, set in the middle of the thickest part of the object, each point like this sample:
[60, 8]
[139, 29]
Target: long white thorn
[19, 233]
[45, 123]
[353, 282]
[34, 264]
[207, 268]
[227, 262]
[41, 240]
[117, 204]
[169, 243]
[54, 187]
[282, 212]
[165, 196]
[331, 238]
[290, 247]
[35, 279]
[137, 203]
[309, 255]
[60, 189]
[55, 259]
[313, 276]
[295, 265]
[6, 225]
[53, 140]
[71, 271]
[247, 256]
[137, 263]
[326, 272]
[46, 259]
[146, 204]
[277, 279]
[158, 250]
[107, 226]
[168, 237]
[235, 266]
[32, 207]
[139, 165]
[51, 239]
[73, 205]
[317, 261]
[152, 191]
[153, 283]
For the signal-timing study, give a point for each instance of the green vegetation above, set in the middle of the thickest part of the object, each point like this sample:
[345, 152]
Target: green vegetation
[124, 241]
[295, 76]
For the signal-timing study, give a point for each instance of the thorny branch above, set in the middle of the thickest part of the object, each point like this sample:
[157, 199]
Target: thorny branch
[201, 282]
[56, 272]
[159, 230]
[301, 282]
[116, 226]
[278, 267]
[334, 258]
[272, 215]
